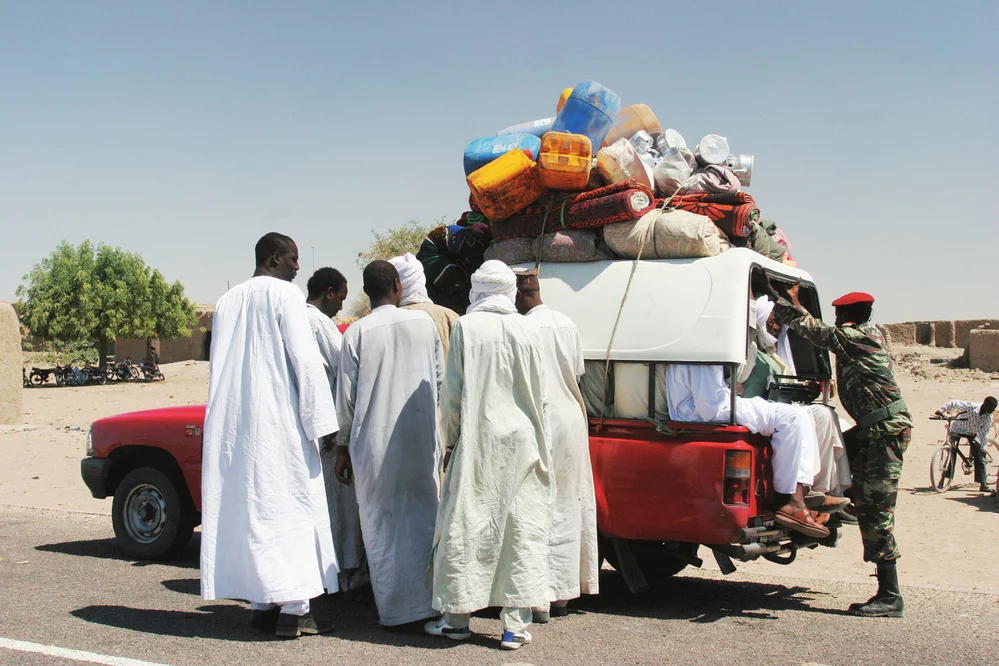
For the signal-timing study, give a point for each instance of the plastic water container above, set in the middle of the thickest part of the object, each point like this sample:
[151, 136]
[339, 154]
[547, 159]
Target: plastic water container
[561, 100]
[632, 120]
[536, 127]
[483, 151]
[589, 110]
[506, 185]
[565, 161]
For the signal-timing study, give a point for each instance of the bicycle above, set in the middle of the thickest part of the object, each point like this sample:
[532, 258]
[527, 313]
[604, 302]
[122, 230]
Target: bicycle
[943, 465]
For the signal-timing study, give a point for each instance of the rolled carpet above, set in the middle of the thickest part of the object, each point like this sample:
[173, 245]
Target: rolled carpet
[733, 212]
[585, 210]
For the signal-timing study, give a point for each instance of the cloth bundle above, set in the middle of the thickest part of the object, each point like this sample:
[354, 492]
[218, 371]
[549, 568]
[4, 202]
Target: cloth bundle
[733, 212]
[714, 179]
[668, 234]
[568, 246]
[587, 210]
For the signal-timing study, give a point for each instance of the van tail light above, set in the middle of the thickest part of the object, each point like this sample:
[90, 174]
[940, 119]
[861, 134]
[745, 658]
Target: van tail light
[738, 473]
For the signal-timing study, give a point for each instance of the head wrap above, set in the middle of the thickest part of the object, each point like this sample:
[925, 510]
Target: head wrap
[414, 282]
[494, 289]
[764, 306]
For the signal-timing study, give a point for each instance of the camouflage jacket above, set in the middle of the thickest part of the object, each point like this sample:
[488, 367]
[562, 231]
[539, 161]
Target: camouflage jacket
[864, 371]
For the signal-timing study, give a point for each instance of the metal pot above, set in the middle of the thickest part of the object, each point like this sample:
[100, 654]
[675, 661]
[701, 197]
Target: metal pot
[742, 166]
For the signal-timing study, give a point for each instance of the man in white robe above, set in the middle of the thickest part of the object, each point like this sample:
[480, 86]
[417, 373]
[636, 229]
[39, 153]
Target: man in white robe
[414, 297]
[265, 533]
[574, 565]
[494, 523]
[327, 290]
[391, 366]
[698, 393]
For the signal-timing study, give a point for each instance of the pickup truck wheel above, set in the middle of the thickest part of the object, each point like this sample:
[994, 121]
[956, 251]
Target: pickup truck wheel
[658, 560]
[150, 519]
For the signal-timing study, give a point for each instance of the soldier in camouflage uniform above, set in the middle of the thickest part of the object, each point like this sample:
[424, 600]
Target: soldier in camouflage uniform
[875, 447]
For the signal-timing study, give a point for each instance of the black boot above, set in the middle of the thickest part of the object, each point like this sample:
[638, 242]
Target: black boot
[264, 621]
[888, 601]
[293, 626]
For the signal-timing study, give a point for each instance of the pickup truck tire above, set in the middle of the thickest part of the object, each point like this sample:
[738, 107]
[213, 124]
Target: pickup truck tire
[657, 559]
[151, 519]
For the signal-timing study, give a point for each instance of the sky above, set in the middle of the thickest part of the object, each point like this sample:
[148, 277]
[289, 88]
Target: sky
[186, 130]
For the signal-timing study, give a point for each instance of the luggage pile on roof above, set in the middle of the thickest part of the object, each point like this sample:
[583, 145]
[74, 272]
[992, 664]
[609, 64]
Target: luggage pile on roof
[594, 182]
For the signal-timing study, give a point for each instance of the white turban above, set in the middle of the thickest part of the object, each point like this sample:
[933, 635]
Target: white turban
[494, 289]
[764, 307]
[414, 281]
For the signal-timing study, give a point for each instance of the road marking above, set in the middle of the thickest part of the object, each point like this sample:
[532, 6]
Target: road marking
[76, 655]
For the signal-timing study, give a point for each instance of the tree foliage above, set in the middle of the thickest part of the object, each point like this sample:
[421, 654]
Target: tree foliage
[101, 293]
[388, 244]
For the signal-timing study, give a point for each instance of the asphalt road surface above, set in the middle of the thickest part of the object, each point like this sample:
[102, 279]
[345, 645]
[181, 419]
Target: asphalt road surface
[69, 596]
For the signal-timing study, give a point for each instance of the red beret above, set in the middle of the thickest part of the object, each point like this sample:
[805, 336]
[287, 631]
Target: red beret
[853, 298]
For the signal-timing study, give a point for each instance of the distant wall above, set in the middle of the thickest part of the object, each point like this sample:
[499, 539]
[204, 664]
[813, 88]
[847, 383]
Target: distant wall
[173, 350]
[943, 333]
[900, 335]
[925, 333]
[983, 349]
[11, 360]
[963, 328]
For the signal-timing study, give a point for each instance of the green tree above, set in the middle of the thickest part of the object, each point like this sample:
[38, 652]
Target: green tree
[99, 293]
[388, 244]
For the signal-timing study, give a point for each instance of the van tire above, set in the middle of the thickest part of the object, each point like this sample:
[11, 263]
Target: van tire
[151, 518]
[657, 559]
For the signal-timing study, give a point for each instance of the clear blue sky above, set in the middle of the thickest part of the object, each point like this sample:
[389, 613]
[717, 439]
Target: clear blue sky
[185, 130]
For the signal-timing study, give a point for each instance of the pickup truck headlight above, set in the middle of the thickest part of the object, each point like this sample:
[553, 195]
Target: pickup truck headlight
[90, 443]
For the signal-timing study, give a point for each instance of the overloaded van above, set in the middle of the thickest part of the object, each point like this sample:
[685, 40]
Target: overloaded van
[664, 488]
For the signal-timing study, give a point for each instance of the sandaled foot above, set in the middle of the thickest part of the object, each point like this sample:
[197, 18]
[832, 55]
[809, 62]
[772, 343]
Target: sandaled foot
[801, 521]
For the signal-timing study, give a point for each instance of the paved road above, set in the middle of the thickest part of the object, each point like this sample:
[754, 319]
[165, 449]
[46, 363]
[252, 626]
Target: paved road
[65, 584]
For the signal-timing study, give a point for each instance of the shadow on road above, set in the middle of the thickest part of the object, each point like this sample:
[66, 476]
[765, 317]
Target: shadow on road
[221, 621]
[107, 549]
[190, 586]
[983, 502]
[701, 600]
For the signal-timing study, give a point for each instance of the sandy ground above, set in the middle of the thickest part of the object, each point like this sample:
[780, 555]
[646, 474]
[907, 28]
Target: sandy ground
[948, 540]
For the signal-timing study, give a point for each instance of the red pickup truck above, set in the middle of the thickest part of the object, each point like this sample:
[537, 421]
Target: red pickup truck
[663, 488]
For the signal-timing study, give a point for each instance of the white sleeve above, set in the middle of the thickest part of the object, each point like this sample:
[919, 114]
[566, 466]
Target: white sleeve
[346, 387]
[315, 403]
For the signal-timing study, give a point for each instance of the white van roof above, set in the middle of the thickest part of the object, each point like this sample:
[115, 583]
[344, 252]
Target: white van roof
[677, 310]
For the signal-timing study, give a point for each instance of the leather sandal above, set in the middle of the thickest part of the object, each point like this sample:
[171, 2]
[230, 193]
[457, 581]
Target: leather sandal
[801, 521]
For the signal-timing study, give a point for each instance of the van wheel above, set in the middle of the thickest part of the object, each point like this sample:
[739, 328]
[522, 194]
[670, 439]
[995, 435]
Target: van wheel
[150, 519]
[658, 560]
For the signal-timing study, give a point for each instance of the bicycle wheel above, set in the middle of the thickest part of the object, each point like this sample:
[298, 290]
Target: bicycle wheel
[992, 461]
[942, 469]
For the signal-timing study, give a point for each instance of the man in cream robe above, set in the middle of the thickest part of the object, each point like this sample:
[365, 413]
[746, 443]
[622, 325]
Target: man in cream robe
[574, 565]
[391, 366]
[265, 533]
[494, 523]
[414, 297]
[327, 290]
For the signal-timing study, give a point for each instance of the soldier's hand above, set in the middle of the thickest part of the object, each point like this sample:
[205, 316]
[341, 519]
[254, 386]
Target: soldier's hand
[792, 292]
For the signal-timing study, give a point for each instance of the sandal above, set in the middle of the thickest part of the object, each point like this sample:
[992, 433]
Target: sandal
[801, 521]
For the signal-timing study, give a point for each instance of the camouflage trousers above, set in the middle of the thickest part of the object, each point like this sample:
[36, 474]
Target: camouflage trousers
[876, 463]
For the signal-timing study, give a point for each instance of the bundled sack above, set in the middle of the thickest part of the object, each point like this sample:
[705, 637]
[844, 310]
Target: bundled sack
[620, 162]
[733, 212]
[671, 234]
[781, 238]
[673, 170]
[578, 210]
[714, 179]
[511, 251]
[568, 246]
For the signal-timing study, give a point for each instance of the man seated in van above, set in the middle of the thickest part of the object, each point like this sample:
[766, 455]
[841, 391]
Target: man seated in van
[699, 393]
[833, 477]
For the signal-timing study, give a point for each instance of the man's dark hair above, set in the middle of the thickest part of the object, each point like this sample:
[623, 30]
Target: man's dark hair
[271, 244]
[858, 313]
[379, 276]
[990, 404]
[323, 279]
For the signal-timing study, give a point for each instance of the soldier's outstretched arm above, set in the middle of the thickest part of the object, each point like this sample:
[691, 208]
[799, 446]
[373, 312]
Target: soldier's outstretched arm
[814, 330]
